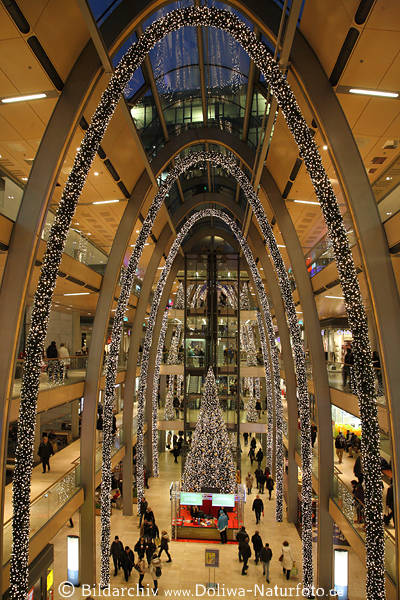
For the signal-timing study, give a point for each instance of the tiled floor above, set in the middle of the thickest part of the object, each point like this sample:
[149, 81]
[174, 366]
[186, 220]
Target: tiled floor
[186, 569]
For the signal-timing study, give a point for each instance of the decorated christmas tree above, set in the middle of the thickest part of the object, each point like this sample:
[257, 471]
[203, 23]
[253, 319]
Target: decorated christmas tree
[169, 411]
[244, 297]
[180, 298]
[210, 462]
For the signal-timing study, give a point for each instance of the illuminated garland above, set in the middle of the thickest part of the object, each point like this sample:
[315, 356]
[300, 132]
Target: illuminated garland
[156, 381]
[245, 335]
[209, 462]
[169, 411]
[364, 378]
[180, 298]
[244, 298]
[270, 413]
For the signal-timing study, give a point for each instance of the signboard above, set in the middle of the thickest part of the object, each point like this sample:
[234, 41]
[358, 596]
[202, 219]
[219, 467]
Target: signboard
[191, 499]
[227, 500]
[341, 575]
[211, 558]
[50, 579]
[73, 559]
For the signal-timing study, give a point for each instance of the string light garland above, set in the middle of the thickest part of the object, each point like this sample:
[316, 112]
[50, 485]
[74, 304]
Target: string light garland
[247, 342]
[156, 381]
[363, 372]
[180, 298]
[244, 298]
[209, 462]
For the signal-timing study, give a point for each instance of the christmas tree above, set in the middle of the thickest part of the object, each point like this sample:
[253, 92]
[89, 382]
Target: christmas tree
[180, 298]
[209, 462]
[244, 298]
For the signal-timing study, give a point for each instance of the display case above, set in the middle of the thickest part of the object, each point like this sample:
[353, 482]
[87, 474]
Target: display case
[194, 514]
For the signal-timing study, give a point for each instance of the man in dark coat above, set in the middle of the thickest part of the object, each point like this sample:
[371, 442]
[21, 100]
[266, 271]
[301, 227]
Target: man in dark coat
[240, 537]
[142, 509]
[127, 561]
[259, 456]
[45, 451]
[257, 545]
[245, 551]
[116, 550]
[258, 507]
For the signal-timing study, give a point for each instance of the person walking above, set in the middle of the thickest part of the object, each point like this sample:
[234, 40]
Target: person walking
[127, 561]
[155, 572]
[150, 550]
[259, 457]
[258, 507]
[246, 438]
[357, 469]
[253, 443]
[257, 545]
[287, 559]
[249, 483]
[222, 525]
[240, 537]
[340, 444]
[141, 569]
[164, 545]
[258, 473]
[140, 547]
[116, 550]
[175, 452]
[261, 482]
[142, 510]
[265, 558]
[252, 455]
[45, 451]
[270, 483]
[245, 550]
[313, 434]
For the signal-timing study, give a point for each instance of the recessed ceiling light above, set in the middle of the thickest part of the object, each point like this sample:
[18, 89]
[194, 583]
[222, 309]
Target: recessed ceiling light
[379, 93]
[335, 297]
[24, 178]
[306, 202]
[96, 173]
[77, 294]
[25, 98]
[105, 202]
[281, 246]
[88, 234]
[324, 147]
[77, 223]
[389, 213]
[147, 244]
[388, 178]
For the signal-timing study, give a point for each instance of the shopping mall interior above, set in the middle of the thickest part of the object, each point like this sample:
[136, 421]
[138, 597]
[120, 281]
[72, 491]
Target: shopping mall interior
[200, 298]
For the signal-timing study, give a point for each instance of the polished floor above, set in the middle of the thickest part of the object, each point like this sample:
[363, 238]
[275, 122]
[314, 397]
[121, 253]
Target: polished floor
[187, 568]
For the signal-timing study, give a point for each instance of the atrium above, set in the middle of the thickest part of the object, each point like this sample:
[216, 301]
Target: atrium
[200, 299]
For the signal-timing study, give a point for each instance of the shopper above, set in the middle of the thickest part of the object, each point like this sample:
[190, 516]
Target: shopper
[169, 440]
[116, 550]
[357, 470]
[141, 569]
[142, 509]
[313, 434]
[175, 452]
[389, 504]
[140, 547]
[265, 557]
[245, 551]
[261, 482]
[259, 457]
[127, 561]
[222, 525]
[252, 455]
[246, 438]
[340, 444]
[347, 366]
[358, 493]
[149, 515]
[164, 545]
[64, 359]
[249, 482]
[287, 559]
[258, 507]
[240, 537]
[44, 452]
[52, 362]
[258, 473]
[270, 483]
[258, 408]
[257, 545]
[253, 443]
[150, 550]
[155, 572]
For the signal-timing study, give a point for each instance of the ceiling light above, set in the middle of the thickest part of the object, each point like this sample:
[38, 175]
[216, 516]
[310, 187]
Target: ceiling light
[335, 297]
[389, 213]
[306, 202]
[96, 173]
[88, 234]
[147, 244]
[76, 223]
[137, 230]
[373, 93]
[281, 246]
[105, 201]
[388, 178]
[160, 268]
[324, 147]
[77, 294]
[229, 273]
[24, 178]
[23, 98]
[261, 268]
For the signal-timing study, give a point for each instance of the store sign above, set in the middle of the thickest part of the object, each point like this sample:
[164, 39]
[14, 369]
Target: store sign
[227, 500]
[50, 579]
[211, 558]
[191, 499]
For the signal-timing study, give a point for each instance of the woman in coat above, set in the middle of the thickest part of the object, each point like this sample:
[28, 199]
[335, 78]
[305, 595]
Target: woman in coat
[249, 482]
[164, 545]
[141, 568]
[222, 525]
[287, 559]
[155, 572]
